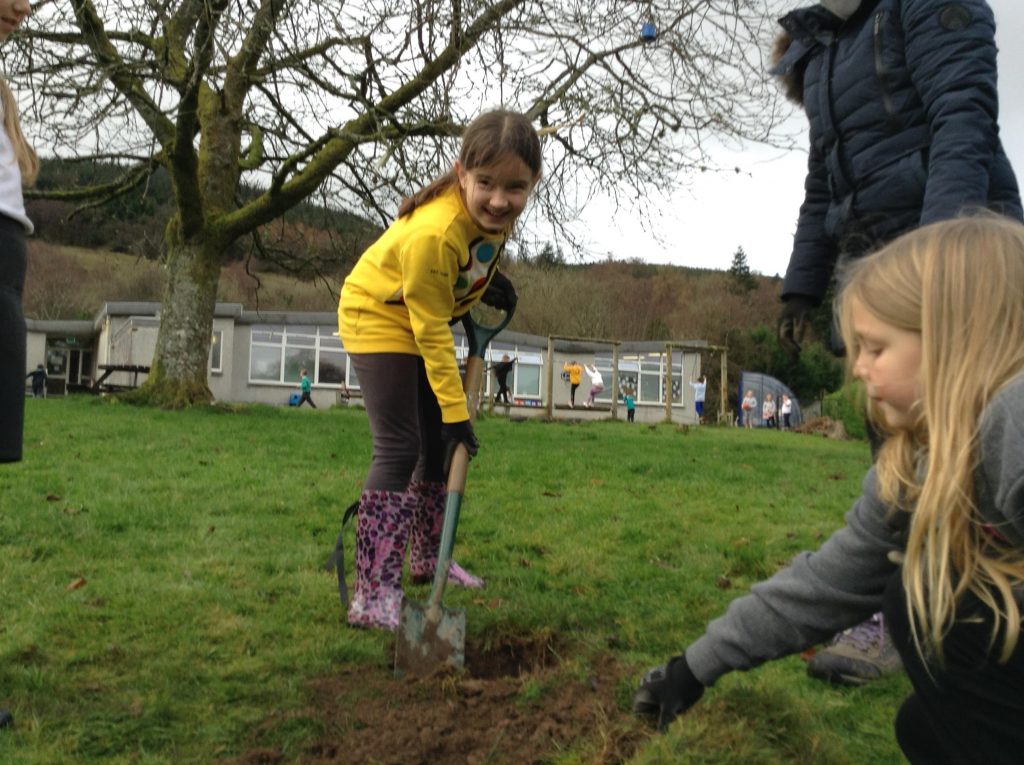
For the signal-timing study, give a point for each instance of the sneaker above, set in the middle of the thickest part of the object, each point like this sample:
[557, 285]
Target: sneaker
[857, 656]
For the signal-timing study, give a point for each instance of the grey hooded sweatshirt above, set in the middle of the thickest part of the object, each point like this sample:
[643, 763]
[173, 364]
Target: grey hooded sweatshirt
[842, 583]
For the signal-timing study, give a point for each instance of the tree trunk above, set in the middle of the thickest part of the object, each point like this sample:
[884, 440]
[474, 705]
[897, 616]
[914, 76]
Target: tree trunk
[178, 377]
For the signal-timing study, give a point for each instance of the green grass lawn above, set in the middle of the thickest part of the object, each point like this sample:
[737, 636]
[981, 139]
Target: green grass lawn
[163, 583]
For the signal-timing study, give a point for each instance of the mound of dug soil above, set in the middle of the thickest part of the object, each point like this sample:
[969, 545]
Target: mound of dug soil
[825, 427]
[516, 703]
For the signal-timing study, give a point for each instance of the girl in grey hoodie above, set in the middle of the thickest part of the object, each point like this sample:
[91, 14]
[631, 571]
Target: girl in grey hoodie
[935, 327]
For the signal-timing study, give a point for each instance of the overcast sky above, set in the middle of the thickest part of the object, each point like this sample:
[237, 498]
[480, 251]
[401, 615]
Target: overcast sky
[757, 209]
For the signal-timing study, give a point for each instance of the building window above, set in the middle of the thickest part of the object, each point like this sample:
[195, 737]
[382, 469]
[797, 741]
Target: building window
[330, 368]
[650, 380]
[265, 363]
[528, 375]
[56, 362]
[278, 354]
[604, 366]
[216, 345]
[629, 374]
[646, 376]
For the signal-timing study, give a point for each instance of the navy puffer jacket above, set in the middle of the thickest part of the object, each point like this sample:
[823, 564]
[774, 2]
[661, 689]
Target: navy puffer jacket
[902, 104]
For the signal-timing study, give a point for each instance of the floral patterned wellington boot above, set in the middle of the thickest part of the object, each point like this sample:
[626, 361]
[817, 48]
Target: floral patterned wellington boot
[381, 535]
[425, 538]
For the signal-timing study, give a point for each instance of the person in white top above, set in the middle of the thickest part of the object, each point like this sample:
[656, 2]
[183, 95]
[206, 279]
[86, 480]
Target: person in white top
[786, 411]
[18, 165]
[699, 388]
[596, 384]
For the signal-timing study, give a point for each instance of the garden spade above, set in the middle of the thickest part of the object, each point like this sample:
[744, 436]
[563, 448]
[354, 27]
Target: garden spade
[430, 636]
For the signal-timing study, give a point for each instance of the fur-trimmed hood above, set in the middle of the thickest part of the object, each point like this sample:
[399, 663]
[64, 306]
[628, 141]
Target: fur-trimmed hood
[803, 30]
[792, 82]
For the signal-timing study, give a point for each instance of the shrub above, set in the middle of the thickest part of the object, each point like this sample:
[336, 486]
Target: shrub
[847, 405]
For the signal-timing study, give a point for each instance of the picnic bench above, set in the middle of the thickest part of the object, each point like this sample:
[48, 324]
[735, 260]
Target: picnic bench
[108, 369]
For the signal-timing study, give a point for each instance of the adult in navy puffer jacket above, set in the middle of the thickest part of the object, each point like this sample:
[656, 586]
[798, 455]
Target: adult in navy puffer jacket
[902, 104]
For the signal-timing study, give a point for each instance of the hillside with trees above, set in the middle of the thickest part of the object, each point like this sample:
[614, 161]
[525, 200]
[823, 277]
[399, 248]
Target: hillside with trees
[110, 252]
[294, 101]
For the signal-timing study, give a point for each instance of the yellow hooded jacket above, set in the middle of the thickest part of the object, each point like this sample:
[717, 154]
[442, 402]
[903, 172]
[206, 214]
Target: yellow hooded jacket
[429, 267]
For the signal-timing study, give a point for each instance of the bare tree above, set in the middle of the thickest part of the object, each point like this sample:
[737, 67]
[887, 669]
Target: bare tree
[361, 100]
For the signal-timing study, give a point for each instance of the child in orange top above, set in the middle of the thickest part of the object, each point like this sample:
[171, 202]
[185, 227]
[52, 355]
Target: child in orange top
[575, 372]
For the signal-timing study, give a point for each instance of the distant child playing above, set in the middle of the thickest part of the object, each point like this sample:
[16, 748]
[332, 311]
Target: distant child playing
[937, 539]
[630, 401]
[307, 388]
[502, 369]
[786, 410]
[38, 376]
[596, 384]
[749, 407]
[699, 390]
[431, 266]
[768, 411]
[575, 372]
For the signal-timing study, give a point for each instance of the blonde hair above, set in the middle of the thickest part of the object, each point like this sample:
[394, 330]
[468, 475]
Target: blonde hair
[960, 284]
[28, 161]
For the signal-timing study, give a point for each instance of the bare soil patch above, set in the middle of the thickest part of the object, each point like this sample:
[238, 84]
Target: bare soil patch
[518, 702]
[825, 427]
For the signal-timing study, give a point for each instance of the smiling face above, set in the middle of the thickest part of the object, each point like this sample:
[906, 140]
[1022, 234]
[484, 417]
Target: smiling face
[495, 195]
[12, 13]
[889, 364]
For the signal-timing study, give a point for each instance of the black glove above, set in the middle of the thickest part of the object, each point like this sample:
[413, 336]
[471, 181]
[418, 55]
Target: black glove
[455, 433]
[667, 691]
[796, 314]
[500, 293]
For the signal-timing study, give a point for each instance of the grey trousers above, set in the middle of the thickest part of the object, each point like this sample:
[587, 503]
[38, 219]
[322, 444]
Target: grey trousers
[405, 420]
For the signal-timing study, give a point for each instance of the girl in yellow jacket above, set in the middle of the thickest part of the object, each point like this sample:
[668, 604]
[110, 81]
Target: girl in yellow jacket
[575, 372]
[432, 264]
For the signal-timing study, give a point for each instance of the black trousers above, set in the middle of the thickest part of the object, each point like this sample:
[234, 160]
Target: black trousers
[503, 391]
[405, 420]
[12, 339]
[971, 710]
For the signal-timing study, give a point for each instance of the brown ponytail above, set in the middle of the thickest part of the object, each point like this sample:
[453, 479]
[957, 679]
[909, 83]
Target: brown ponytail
[485, 141]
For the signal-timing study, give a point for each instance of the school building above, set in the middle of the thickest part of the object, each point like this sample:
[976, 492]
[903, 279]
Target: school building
[255, 357]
